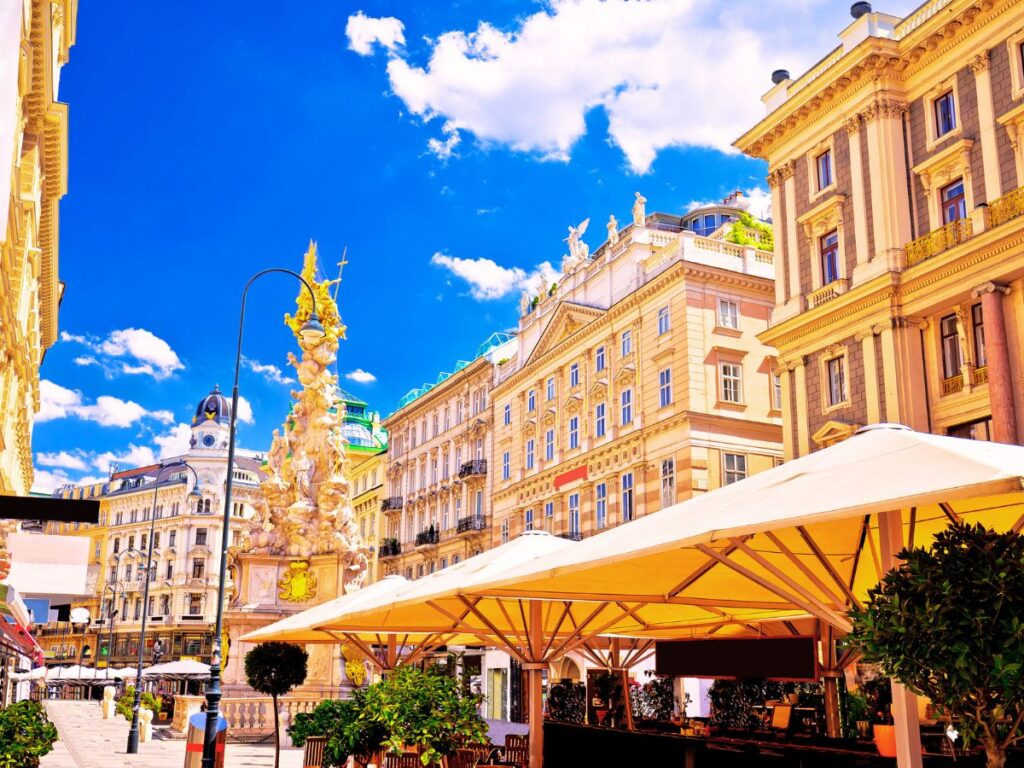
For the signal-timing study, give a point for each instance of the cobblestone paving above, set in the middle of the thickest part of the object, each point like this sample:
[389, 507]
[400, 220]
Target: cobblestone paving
[88, 741]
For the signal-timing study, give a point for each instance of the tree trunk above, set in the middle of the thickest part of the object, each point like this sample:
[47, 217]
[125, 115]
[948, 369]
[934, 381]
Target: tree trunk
[277, 735]
[995, 755]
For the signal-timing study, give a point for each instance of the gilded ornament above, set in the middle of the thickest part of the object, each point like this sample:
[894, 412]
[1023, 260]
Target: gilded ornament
[298, 583]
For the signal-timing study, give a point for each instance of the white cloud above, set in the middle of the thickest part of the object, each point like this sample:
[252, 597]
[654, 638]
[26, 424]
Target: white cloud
[45, 481]
[443, 149]
[57, 402]
[135, 456]
[268, 371]
[63, 459]
[244, 411]
[131, 351]
[667, 73]
[361, 376]
[364, 32]
[489, 280]
[174, 442]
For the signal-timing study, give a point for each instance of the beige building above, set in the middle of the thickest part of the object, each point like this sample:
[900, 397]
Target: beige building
[367, 482]
[35, 40]
[896, 166]
[437, 509]
[183, 581]
[638, 379]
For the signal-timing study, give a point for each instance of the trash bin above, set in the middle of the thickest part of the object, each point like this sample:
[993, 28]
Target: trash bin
[194, 742]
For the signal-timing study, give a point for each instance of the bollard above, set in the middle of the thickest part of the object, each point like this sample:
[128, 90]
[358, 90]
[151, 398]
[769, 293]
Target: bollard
[145, 724]
[108, 707]
[194, 741]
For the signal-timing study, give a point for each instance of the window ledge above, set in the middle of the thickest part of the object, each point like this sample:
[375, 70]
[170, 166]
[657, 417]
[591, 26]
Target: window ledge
[838, 406]
[955, 133]
[723, 330]
[730, 406]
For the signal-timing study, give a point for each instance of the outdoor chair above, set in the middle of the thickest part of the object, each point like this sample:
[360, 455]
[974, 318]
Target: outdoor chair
[313, 752]
[405, 760]
[516, 740]
[519, 754]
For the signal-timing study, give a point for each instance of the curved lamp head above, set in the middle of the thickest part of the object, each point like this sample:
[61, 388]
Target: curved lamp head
[195, 494]
[312, 330]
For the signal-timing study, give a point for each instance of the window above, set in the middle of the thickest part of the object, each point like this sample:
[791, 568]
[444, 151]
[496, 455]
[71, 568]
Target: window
[668, 483]
[950, 347]
[152, 573]
[601, 505]
[504, 531]
[479, 503]
[735, 465]
[531, 401]
[599, 420]
[626, 400]
[945, 114]
[732, 383]
[574, 514]
[954, 204]
[627, 342]
[456, 559]
[978, 331]
[665, 387]
[200, 537]
[599, 359]
[529, 453]
[836, 368]
[663, 321]
[433, 470]
[528, 520]
[195, 603]
[198, 567]
[728, 314]
[549, 510]
[444, 563]
[171, 537]
[506, 468]
[823, 164]
[574, 432]
[151, 607]
[165, 604]
[131, 542]
[574, 375]
[138, 608]
[549, 445]
[551, 388]
[117, 545]
[627, 497]
[508, 415]
[170, 571]
[975, 430]
[112, 576]
[829, 247]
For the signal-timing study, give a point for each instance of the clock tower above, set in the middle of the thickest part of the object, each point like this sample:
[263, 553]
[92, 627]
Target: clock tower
[211, 423]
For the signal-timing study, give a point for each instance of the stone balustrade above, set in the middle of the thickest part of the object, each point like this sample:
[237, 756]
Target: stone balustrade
[246, 716]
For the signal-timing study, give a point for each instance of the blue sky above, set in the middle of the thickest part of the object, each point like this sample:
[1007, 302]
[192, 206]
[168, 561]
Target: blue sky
[447, 146]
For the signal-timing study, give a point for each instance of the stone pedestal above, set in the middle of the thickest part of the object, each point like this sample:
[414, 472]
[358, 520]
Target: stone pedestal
[270, 588]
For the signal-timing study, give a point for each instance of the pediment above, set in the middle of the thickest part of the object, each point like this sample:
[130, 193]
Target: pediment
[565, 321]
[833, 432]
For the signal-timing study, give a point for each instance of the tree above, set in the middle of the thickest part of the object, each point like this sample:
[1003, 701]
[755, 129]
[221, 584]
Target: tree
[274, 669]
[26, 734]
[948, 623]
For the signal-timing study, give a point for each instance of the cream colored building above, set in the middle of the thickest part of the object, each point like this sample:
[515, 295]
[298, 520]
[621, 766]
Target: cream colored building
[183, 581]
[896, 167]
[437, 509]
[35, 40]
[368, 485]
[638, 380]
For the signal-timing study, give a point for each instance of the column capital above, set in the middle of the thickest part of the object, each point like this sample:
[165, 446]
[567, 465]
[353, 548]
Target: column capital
[980, 62]
[791, 364]
[868, 333]
[990, 287]
[852, 124]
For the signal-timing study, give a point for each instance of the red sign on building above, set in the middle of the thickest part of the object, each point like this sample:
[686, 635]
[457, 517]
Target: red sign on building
[580, 473]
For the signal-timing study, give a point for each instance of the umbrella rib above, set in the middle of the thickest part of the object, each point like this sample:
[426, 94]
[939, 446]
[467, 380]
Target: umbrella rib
[913, 526]
[689, 580]
[632, 613]
[512, 627]
[513, 650]
[948, 510]
[774, 588]
[828, 593]
[827, 565]
[528, 636]
[568, 647]
[361, 647]
[558, 626]
[579, 627]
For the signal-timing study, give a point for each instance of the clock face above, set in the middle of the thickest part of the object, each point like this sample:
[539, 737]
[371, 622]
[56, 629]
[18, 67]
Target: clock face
[209, 440]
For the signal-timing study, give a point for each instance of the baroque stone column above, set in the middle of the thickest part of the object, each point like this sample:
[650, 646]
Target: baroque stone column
[997, 357]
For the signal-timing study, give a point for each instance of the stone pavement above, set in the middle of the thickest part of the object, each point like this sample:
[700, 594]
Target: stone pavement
[88, 741]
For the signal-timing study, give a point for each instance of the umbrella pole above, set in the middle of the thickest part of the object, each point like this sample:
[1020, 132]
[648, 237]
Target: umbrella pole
[536, 671]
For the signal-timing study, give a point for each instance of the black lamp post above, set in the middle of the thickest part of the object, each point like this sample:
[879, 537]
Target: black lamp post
[195, 493]
[112, 586]
[310, 331]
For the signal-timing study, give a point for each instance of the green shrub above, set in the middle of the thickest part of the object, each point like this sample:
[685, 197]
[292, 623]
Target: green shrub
[148, 701]
[26, 734]
[567, 702]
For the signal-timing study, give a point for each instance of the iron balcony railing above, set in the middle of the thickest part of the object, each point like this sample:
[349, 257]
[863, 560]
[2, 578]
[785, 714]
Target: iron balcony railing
[473, 468]
[475, 523]
[392, 502]
[390, 548]
[426, 537]
[571, 535]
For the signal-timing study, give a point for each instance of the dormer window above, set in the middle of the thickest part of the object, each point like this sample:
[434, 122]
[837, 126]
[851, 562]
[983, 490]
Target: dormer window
[945, 114]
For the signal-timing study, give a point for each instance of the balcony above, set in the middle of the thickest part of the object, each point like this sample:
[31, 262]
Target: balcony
[474, 468]
[953, 384]
[389, 548]
[827, 292]
[571, 535]
[392, 504]
[1005, 208]
[425, 538]
[938, 241]
[475, 523]
[981, 375]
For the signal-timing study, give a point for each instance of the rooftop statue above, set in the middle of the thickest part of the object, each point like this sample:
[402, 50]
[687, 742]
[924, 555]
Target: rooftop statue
[305, 506]
[639, 210]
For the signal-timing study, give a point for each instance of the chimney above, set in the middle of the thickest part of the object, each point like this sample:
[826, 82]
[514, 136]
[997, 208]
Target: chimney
[859, 9]
[780, 76]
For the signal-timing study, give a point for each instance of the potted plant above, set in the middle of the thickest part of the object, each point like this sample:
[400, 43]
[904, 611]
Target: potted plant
[604, 685]
[878, 703]
[947, 623]
[856, 722]
[567, 702]
[147, 701]
[26, 734]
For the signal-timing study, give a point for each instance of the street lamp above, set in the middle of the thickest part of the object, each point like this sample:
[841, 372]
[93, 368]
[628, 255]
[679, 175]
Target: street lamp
[194, 494]
[310, 331]
[112, 586]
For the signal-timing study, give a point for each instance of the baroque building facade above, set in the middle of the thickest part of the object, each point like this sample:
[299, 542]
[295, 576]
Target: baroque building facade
[437, 509]
[35, 41]
[896, 167]
[186, 539]
[638, 379]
